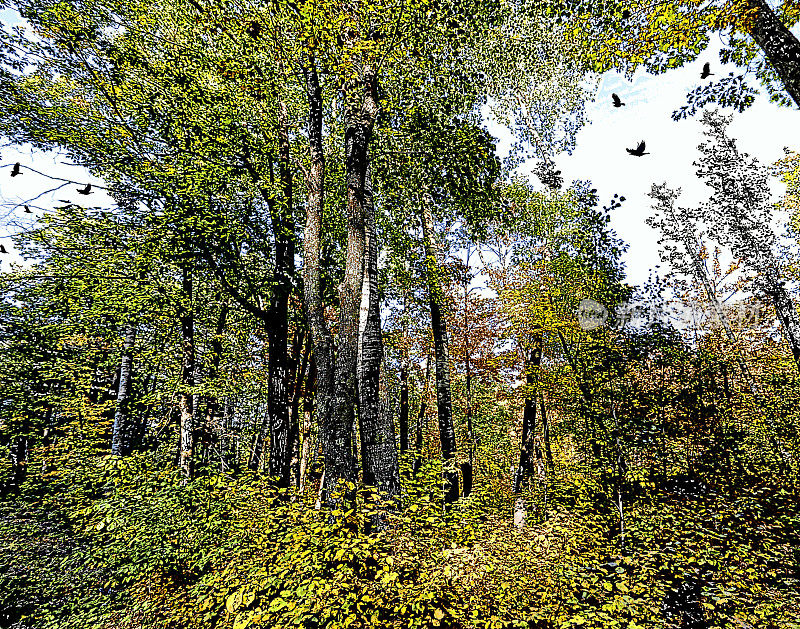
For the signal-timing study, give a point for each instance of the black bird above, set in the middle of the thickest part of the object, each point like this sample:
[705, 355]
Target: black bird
[706, 71]
[617, 101]
[3, 249]
[638, 151]
[28, 210]
[254, 29]
[86, 190]
[16, 170]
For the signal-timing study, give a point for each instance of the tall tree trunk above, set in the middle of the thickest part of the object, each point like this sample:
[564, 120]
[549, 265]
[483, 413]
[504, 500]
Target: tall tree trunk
[122, 430]
[779, 45]
[378, 447]
[403, 414]
[525, 468]
[280, 452]
[361, 109]
[548, 452]
[444, 405]
[423, 407]
[308, 409]
[212, 409]
[785, 310]
[466, 467]
[185, 395]
[315, 309]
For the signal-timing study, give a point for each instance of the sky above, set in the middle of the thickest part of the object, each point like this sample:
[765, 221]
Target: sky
[762, 130]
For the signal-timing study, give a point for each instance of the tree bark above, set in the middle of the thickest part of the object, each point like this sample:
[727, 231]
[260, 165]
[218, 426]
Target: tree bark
[378, 448]
[548, 452]
[780, 46]
[315, 309]
[444, 405]
[785, 310]
[280, 451]
[122, 429]
[185, 396]
[525, 468]
[403, 414]
[423, 407]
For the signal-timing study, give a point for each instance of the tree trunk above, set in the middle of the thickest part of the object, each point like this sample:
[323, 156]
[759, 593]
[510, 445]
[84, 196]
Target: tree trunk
[548, 452]
[780, 46]
[361, 100]
[447, 434]
[185, 396]
[403, 414]
[315, 310]
[378, 447]
[423, 407]
[280, 452]
[787, 315]
[122, 430]
[525, 468]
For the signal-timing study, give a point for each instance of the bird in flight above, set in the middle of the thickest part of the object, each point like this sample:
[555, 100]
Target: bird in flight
[16, 170]
[28, 210]
[706, 71]
[254, 29]
[86, 190]
[617, 101]
[3, 249]
[638, 151]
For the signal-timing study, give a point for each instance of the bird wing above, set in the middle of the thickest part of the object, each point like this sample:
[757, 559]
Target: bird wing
[706, 67]
[641, 146]
[615, 98]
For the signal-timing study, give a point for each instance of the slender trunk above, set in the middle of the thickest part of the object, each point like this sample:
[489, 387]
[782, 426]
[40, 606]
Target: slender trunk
[403, 415]
[122, 430]
[378, 447]
[525, 468]
[315, 309]
[186, 397]
[280, 452]
[308, 408]
[18, 453]
[466, 467]
[779, 45]
[212, 408]
[548, 452]
[423, 407]
[447, 433]
[787, 315]
[299, 381]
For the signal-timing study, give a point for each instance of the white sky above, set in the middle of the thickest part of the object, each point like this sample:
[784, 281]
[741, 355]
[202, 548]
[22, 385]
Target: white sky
[762, 130]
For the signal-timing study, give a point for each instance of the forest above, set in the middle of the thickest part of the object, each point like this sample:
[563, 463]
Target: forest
[297, 341]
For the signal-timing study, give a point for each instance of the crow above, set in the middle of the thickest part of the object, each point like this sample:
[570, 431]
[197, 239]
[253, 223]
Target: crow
[254, 29]
[86, 190]
[16, 170]
[3, 249]
[28, 210]
[706, 71]
[617, 101]
[638, 151]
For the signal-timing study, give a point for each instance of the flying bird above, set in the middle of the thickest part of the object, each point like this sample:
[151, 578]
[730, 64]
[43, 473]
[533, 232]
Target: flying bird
[638, 151]
[16, 170]
[28, 210]
[617, 101]
[706, 71]
[86, 190]
[3, 249]
[254, 29]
